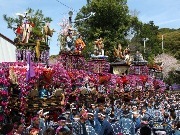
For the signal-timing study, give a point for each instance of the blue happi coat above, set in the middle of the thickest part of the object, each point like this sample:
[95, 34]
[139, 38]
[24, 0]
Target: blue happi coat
[106, 128]
[116, 128]
[78, 129]
[127, 126]
[95, 124]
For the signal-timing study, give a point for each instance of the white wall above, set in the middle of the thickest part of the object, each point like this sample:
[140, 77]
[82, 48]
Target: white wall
[7, 51]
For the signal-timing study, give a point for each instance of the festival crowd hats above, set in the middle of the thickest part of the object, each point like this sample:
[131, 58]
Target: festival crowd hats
[46, 113]
[40, 111]
[61, 118]
[135, 112]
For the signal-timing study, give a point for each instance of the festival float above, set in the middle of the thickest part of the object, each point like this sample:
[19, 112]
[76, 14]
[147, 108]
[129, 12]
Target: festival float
[122, 61]
[31, 83]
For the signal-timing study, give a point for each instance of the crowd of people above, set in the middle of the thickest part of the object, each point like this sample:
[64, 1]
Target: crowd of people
[155, 115]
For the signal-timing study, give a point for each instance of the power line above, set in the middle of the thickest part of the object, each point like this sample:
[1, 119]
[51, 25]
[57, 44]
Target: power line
[67, 6]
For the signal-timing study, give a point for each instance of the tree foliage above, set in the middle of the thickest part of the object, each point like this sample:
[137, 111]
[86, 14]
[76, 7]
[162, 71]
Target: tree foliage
[111, 22]
[150, 31]
[36, 17]
[173, 77]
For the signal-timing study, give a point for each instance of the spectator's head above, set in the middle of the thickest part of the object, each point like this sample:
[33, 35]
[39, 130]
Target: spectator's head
[101, 102]
[34, 131]
[76, 118]
[90, 115]
[134, 108]
[145, 130]
[166, 115]
[156, 106]
[35, 121]
[101, 116]
[173, 115]
[64, 131]
[112, 117]
[177, 125]
[143, 109]
[40, 113]
[7, 129]
[49, 131]
[126, 112]
[93, 106]
[101, 106]
[46, 115]
[83, 115]
[135, 114]
[62, 121]
[20, 128]
[160, 132]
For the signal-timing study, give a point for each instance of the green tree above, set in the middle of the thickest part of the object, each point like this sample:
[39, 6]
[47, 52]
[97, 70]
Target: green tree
[35, 17]
[88, 1]
[173, 77]
[153, 44]
[111, 22]
[134, 34]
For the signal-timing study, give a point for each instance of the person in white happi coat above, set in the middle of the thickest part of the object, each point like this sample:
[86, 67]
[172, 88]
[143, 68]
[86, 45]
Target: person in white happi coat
[47, 123]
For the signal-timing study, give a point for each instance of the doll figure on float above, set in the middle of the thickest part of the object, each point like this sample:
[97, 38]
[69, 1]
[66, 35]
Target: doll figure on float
[70, 41]
[79, 44]
[98, 49]
[47, 32]
[43, 93]
[123, 56]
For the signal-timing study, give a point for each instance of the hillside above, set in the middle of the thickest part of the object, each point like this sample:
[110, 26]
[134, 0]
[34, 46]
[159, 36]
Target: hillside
[171, 41]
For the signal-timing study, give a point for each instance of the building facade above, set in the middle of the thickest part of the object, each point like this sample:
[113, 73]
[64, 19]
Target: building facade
[7, 49]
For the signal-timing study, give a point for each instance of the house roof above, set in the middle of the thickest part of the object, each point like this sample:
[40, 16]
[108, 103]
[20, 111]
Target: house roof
[6, 38]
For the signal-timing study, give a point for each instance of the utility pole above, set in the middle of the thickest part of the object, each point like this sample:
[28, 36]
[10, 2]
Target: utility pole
[145, 39]
[162, 43]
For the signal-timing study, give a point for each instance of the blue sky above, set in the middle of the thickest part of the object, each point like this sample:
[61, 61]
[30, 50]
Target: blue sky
[164, 13]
